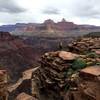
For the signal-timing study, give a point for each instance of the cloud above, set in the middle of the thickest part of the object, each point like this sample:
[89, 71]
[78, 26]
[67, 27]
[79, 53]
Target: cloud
[78, 11]
[85, 8]
[10, 6]
[51, 11]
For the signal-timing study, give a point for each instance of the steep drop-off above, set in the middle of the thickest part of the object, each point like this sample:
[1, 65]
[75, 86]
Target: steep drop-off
[15, 55]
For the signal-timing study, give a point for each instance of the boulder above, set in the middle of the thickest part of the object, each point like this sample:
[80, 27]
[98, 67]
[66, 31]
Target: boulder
[24, 96]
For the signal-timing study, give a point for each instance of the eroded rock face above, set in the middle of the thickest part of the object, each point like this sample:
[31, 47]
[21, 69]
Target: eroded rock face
[53, 74]
[15, 55]
[50, 26]
[3, 85]
[23, 85]
[5, 36]
[84, 45]
[88, 85]
[59, 71]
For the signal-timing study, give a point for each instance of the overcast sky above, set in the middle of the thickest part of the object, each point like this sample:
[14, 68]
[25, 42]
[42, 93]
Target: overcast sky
[23, 11]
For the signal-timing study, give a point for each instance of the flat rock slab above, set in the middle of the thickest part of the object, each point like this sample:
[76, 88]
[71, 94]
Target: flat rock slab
[24, 96]
[67, 55]
[94, 70]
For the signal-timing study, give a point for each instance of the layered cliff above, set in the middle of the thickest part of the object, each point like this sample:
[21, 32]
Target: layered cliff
[50, 28]
[15, 55]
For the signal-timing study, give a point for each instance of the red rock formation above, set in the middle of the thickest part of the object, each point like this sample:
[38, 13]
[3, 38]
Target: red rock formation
[15, 55]
[5, 36]
[49, 26]
[64, 25]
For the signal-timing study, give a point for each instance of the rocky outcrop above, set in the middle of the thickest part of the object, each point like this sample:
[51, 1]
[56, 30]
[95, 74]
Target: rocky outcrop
[85, 45]
[87, 85]
[3, 85]
[23, 85]
[66, 74]
[60, 73]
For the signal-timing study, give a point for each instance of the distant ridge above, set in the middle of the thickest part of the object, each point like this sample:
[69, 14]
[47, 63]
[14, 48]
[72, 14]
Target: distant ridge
[47, 26]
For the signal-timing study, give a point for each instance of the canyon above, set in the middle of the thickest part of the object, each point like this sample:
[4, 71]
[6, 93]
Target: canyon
[32, 51]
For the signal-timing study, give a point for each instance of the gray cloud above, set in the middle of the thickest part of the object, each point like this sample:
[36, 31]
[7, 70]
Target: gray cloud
[51, 10]
[9, 6]
[86, 8]
[78, 11]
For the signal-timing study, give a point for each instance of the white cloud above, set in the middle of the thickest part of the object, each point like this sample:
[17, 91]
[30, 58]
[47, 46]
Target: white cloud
[79, 11]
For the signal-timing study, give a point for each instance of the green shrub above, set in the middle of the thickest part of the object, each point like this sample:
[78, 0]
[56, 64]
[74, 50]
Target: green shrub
[79, 64]
[92, 55]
